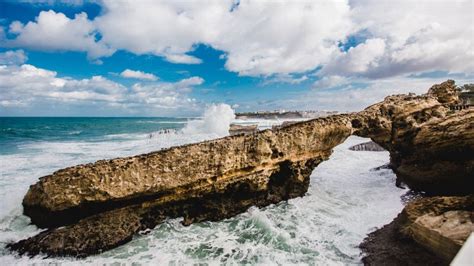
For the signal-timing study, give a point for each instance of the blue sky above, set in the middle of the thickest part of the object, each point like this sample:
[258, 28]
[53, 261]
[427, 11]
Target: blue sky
[148, 58]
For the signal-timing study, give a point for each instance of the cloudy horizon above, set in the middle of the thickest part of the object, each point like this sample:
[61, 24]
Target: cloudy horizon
[173, 58]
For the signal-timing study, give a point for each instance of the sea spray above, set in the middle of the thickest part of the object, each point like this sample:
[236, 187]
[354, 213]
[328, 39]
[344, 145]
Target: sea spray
[216, 121]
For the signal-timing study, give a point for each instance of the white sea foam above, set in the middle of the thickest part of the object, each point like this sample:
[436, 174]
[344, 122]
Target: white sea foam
[215, 121]
[345, 201]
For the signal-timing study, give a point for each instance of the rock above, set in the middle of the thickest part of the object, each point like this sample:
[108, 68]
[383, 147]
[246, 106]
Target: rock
[284, 124]
[446, 93]
[242, 129]
[217, 179]
[367, 146]
[429, 231]
[211, 180]
[431, 147]
[440, 224]
[387, 246]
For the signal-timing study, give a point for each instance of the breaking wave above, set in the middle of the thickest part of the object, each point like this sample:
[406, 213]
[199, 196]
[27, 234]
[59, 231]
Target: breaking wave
[216, 120]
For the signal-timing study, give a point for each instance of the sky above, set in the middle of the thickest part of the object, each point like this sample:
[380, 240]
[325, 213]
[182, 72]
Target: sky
[174, 58]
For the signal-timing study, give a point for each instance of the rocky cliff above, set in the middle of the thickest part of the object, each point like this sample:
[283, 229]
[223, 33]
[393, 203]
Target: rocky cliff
[431, 146]
[103, 204]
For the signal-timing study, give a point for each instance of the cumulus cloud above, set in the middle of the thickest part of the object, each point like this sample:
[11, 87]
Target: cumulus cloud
[267, 38]
[127, 73]
[25, 85]
[330, 82]
[352, 94]
[356, 60]
[419, 36]
[53, 31]
[17, 57]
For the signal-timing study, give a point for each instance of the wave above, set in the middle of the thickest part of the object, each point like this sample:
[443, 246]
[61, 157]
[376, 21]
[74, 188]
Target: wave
[216, 121]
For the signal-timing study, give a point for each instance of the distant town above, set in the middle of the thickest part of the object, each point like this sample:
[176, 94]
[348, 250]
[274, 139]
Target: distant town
[283, 114]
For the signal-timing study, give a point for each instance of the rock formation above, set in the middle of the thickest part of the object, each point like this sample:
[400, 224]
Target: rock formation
[431, 146]
[429, 231]
[367, 146]
[103, 204]
[210, 180]
[242, 129]
[440, 224]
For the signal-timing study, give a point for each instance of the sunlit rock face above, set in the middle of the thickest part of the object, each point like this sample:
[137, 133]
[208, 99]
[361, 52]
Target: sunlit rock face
[216, 179]
[431, 146]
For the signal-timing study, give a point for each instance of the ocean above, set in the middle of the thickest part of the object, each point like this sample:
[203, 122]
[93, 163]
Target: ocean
[348, 197]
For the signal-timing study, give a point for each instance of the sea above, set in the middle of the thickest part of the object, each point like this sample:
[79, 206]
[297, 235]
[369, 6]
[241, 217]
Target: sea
[349, 196]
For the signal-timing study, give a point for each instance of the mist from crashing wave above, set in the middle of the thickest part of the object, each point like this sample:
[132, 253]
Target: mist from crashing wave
[216, 120]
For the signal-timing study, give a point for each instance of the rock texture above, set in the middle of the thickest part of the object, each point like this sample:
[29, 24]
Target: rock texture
[387, 246]
[103, 204]
[431, 146]
[242, 129]
[211, 180]
[440, 224]
[429, 231]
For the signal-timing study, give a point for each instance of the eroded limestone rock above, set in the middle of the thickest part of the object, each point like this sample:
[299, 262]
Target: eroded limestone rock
[431, 146]
[216, 179]
[440, 224]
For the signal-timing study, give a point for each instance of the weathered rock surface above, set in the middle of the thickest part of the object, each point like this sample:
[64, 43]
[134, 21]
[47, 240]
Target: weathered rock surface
[242, 129]
[217, 179]
[431, 147]
[387, 246]
[440, 224]
[429, 231]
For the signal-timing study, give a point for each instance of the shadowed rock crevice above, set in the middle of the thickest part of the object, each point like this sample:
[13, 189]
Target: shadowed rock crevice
[430, 145]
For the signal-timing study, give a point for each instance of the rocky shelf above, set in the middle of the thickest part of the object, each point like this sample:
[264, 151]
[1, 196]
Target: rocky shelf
[94, 207]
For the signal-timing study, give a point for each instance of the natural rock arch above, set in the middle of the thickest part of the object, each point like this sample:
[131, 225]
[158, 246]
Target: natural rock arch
[102, 205]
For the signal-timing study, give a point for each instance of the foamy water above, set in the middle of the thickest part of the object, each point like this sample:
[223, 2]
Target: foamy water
[346, 200]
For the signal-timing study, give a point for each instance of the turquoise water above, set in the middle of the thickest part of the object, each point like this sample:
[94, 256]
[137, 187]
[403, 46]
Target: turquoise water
[15, 131]
[346, 200]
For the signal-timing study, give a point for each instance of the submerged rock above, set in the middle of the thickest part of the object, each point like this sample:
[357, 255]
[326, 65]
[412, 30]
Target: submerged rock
[367, 146]
[217, 179]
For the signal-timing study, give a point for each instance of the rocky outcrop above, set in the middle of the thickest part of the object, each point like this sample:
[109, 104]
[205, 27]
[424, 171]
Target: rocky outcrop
[440, 224]
[217, 179]
[429, 231]
[431, 146]
[211, 180]
[242, 129]
[367, 146]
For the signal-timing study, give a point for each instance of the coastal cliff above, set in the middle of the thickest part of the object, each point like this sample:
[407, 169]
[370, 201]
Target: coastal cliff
[94, 207]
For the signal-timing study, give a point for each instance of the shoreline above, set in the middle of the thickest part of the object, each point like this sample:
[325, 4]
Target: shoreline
[386, 246]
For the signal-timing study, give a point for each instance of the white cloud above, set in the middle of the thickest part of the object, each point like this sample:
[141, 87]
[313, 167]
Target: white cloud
[55, 32]
[188, 82]
[266, 38]
[17, 57]
[330, 82]
[263, 37]
[419, 36]
[285, 78]
[127, 73]
[26, 85]
[358, 59]
[352, 94]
